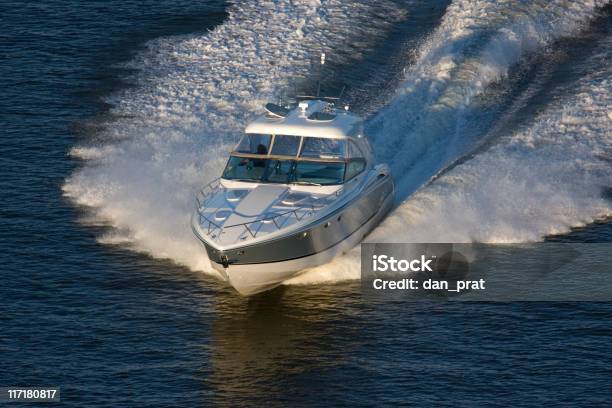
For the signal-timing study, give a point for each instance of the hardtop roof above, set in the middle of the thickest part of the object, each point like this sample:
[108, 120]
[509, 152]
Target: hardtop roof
[296, 123]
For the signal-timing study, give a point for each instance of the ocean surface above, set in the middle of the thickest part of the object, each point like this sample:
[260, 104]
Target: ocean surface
[493, 115]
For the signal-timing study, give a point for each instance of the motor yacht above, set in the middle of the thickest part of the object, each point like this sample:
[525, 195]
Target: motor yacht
[300, 188]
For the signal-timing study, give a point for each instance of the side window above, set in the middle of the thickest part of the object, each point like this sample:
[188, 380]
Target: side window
[353, 168]
[354, 151]
[368, 144]
[254, 143]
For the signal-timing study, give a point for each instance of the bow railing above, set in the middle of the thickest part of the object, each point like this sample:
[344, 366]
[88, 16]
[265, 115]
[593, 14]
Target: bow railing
[214, 230]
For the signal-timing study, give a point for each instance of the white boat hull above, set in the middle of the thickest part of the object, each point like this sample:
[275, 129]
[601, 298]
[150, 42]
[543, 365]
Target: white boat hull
[249, 279]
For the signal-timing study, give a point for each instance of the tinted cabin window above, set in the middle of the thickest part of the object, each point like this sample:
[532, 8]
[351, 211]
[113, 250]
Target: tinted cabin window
[324, 148]
[254, 144]
[286, 145]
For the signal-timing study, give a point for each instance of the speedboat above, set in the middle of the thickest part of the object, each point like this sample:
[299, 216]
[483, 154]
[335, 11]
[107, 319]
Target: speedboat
[300, 188]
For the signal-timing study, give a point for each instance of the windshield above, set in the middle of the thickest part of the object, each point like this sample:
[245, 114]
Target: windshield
[324, 173]
[323, 148]
[254, 143]
[287, 145]
[284, 171]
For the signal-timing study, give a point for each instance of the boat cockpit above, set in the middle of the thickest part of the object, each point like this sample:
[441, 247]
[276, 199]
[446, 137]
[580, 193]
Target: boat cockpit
[288, 159]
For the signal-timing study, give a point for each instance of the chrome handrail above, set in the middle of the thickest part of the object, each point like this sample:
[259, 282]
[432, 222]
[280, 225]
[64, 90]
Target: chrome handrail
[212, 187]
[205, 192]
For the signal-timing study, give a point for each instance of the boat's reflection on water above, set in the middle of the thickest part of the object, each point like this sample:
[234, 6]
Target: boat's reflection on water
[270, 346]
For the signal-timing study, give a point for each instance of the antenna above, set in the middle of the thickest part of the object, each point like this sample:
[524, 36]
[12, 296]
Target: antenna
[330, 99]
[320, 74]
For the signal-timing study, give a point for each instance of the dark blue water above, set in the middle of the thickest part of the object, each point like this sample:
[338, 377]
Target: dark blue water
[116, 328]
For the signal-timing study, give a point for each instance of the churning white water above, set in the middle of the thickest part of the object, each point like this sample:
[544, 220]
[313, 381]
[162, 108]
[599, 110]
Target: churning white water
[170, 135]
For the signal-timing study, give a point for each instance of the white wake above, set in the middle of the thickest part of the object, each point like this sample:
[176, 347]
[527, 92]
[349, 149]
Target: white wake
[544, 180]
[170, 135]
